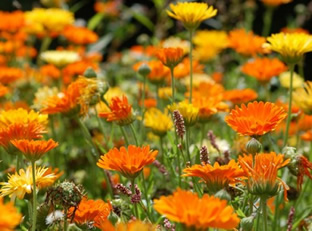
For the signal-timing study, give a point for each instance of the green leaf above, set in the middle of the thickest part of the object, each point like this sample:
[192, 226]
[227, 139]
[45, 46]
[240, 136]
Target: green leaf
[240, 213]
[95, 20]
[144, 20]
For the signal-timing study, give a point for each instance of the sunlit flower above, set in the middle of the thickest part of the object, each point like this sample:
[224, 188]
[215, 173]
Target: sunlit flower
[159, 122]
[12, 21]
[176, 42]
[60, 58]
[128, 162]
[10, 74]
[262, 173]
[274, 3]
[239, 96]
[187, 110]
[303, 97]
[21, 182]
[91, 212]
[284, 79]
[51, 71]
[10, 217]
[263, 69]
[216, 177]
[198, 213]
[34, 149]
[256, 119]
[79, 35]
[165, 92]
[47, 22]
[121, 111]
[170, 57]
[191, 14]
[246, 43]
[292, 47]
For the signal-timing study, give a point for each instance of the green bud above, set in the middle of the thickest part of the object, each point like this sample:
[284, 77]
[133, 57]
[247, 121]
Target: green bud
[247, 223]
[113, 218]
[253, 146]
[144, 69]
[223, 194]
[89, 73]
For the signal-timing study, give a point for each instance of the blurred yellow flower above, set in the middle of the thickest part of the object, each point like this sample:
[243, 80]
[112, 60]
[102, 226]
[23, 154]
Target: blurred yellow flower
[187, 110]
[165, 92]
[303, 97]
[42, 21]
[21, 182]
[291, 46]
[10, 217]
[159, 122]
[60, 58]
[176, 42]
[285, 80]
[41, 95]
[191, 14]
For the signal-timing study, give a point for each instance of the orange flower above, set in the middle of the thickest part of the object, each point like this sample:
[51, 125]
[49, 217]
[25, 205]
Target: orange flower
[128, 162]
[114, 178]
[198, 213]
[256, 119]
[110, 7]
[262, 173]
[149, 103]
[263, 69]
[34, 149]
[307, 136]
[304, 168]
[91, 212]
[209, 90]
[3, 90]
[9, 74]
[76, 69]
[158, 73]
[51, 71]
[121, 111]
[246, 43]
[132, 225]
[305, 122]
[239, 96]
[12, 21]
[182, 70]
[79, 35]
[171, 56]
[10, 217]
[139, 51]
[294, 30]
[274, 3]
[216, 177]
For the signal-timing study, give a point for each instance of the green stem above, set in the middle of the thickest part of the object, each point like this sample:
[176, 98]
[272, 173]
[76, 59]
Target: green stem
[44, 46]
[267, 21]
[143, 97]
[19, 159]
[172, 84]
[146, 197]
[34, 209]
[191, 65]
[291, 69]
[124, 135]
[134, 135]
[188, 144]
[251, 203]
[264, 213]
[53, 158]
[136, 212]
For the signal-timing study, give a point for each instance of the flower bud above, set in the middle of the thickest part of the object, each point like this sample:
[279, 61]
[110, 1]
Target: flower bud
[144, 69]
[223, 194]
[247, 223]
[89, 73]
[253, 146]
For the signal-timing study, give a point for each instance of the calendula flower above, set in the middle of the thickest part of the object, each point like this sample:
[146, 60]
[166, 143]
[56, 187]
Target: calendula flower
[304, 166]
[159, 71]
[129, 162]
[263, 69]
[215, 176]
[292, 47]
[90, 212]
[50, 71]
[256, 119]
[288, 30]
[77, 68]
[41, 95]
[198, 213]
[160, 123]
[10, 74]
[171, 56]
[165, 92]
[132, 225]
[187, 110]
[303, 97]
[239, 96]
[284, 79]
[10, 217]
[182, 70]
[274, 3]
[307, 136]
[79, 35]
[12, 21]
[60, 58]
[21, 182]
[246, 43]
[176, 42]
[262, 173]
[191, 14]
[121, 111]
[110, 7]
[47, 22]
[34, 149]
[3, 90]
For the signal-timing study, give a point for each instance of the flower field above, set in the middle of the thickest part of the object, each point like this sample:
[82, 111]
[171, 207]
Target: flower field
[155, 116]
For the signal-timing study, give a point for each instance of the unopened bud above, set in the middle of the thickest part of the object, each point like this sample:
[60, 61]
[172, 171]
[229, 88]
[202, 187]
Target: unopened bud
[223, 194]
[144, 69]
[247, 223]
[89, 73]
[253, 146]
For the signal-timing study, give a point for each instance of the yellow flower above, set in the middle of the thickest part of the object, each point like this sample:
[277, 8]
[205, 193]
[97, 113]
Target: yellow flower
[159, 122]
[191, 14]
[187, 110]
[41, 95]
[291, 46]
[165, 92]
[303, 97]
[21, 183]
[284, 79]
[60, 58]
[42, 21]
[176, 42]
[10, 217]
